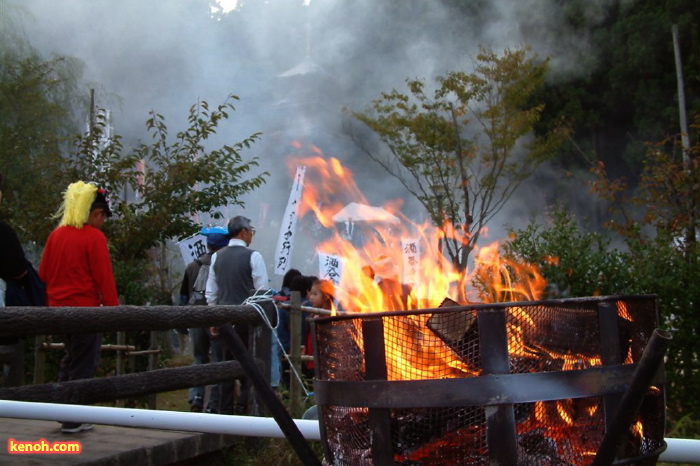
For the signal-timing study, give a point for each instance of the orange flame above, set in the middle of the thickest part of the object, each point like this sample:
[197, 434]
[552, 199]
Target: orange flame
[329, 187]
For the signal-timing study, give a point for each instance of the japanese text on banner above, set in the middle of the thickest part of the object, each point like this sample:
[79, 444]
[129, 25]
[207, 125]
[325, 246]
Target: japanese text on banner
[285, 242]
[411, 260]
[330, 267]
[192, 247]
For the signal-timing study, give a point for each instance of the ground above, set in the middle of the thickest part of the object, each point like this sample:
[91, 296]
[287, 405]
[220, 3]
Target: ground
[250, 452]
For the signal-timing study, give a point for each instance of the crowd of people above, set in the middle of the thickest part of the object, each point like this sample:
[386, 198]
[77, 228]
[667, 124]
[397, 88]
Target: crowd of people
[75, 270]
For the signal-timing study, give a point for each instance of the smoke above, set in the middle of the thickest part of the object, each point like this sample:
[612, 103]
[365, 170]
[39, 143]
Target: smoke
[294, 66]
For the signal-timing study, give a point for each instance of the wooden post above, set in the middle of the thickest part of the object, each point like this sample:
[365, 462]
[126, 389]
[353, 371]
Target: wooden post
[39, 359]
[295, 388]
[681, 95]
[296, 439]
[152, 364]
[690, 235]
[119, 369]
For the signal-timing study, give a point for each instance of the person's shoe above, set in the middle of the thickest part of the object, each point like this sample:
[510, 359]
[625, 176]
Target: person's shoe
[196, 404]
[211, 411]
[74, 427]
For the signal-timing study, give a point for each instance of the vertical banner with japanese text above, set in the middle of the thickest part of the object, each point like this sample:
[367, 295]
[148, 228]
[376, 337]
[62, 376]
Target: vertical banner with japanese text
[411, 260]
[285, 242]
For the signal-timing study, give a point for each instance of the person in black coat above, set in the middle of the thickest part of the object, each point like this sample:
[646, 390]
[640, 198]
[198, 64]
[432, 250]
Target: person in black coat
[19, 286]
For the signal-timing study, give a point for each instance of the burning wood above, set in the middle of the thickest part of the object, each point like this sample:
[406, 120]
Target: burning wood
[528, 382]
[423, 428]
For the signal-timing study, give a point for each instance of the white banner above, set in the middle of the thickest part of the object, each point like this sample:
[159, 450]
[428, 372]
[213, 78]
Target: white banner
[330, 267]
[285, 242]
[411, 260]
[192, 247]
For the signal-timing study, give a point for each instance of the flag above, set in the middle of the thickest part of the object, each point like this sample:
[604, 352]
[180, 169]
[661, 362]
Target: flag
[285, 242]
[192, 247]
[411, 260]
[330, 267]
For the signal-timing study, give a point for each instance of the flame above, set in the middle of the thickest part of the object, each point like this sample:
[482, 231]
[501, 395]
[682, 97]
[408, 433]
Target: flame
[638, 429]
[329, 187]
[564, 408]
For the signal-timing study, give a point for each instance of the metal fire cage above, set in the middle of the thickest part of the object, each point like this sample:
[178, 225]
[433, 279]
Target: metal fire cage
[528, 383]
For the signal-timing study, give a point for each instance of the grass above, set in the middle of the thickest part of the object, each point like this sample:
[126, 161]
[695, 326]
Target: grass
[251, 451]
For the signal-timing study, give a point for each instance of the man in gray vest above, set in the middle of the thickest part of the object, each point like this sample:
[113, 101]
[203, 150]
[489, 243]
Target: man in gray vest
[236, 272]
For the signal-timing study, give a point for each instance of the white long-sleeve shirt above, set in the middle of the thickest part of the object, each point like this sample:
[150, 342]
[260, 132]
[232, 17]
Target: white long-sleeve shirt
[257, 264]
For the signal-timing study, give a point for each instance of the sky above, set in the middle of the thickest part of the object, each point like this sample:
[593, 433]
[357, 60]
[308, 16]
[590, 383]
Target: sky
[294, 64]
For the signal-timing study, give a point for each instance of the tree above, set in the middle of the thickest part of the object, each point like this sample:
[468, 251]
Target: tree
[37, 101]
[657, 224]
[628, 97]
[183, 178]
[667, 197]
[463, 151]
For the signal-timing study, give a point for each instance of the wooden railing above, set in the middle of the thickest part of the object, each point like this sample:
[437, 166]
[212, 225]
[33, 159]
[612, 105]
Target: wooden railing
[33, 321]
[39, 321]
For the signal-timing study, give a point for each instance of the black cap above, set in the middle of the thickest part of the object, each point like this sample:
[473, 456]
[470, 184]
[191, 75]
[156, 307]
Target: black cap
[101, 202]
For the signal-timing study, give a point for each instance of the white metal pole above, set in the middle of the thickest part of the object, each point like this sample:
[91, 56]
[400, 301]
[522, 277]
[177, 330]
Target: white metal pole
[681, 450]
[678, 451]
[249, 426]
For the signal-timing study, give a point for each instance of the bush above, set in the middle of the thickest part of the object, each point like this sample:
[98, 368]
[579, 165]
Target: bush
[580, 263]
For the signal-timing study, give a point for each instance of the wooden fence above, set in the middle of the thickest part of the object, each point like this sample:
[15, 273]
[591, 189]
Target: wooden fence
[41, 321]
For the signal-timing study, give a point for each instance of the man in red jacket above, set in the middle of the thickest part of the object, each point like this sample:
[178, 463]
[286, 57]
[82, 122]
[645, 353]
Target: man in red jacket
[77, 271]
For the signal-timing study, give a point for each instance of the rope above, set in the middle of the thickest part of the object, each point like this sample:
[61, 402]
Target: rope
[311, 310]
[266, 297]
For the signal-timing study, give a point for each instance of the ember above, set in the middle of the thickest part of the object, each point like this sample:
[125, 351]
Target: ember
[526, 383]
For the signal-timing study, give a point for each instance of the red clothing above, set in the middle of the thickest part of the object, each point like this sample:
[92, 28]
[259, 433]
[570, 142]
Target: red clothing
[77, 269]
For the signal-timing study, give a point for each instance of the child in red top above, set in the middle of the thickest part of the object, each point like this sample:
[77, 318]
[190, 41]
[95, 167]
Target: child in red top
[77, 271]
[321, 296]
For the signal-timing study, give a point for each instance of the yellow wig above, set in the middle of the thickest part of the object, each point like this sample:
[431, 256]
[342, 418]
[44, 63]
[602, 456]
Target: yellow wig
[77, 201]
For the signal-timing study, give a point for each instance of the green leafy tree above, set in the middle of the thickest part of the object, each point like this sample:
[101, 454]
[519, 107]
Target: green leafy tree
[660, 256]
[628, 96]
[667, 196]
[463, 149]
[183, 177]
[37, 118]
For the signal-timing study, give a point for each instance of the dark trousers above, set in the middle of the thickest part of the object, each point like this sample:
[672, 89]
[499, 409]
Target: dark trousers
[226, 389]
[202, 344]
[82, 356]
[12, 363]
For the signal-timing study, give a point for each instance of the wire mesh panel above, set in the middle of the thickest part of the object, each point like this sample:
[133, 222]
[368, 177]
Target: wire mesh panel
[529, 383]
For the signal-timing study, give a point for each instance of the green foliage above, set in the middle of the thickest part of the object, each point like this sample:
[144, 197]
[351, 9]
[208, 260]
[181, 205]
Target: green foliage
[584, 264]
[171, 181]
[37, 97]
[463, 149]
[628, 95]
[575, 262]
[182, 178]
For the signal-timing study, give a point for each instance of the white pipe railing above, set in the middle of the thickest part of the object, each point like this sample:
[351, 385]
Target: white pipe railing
[248, 426]
[678, 451]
